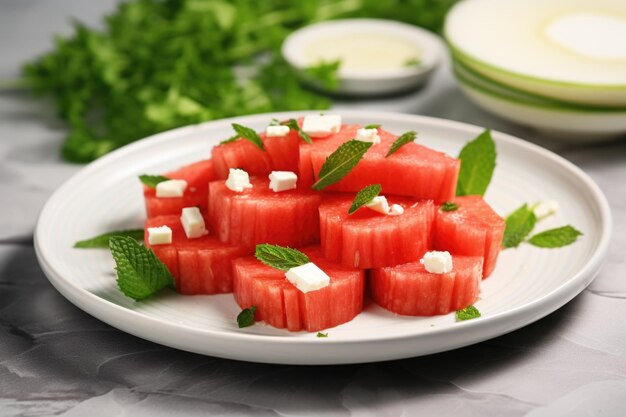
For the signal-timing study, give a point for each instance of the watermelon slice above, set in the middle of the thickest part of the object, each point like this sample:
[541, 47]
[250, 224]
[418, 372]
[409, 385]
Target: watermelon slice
[280, 304]
[411, 290]
[199, 266]
[197, 176]
[260, 215]
[474, 229]
[367, 239]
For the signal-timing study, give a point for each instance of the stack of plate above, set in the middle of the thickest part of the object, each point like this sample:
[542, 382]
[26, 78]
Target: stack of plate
[557, 65]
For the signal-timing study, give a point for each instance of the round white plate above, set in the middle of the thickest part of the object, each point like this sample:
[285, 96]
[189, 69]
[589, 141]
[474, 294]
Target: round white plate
[527, 284]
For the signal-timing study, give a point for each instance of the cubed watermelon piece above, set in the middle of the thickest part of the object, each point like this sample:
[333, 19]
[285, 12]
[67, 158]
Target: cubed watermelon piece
[368, 239]
[411, 290]
[199, 266]
[197, 176]
[260, 215]
[280, 304]
[474, 229]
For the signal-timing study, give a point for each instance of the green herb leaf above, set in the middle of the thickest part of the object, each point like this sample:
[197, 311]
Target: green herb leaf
[364, 196]
[246, 317]
[325, 73]
[478, 161]
[152, 180]
[555, 238]
[405, 138]
[341, 162]
[280, 257]
[468, 313]
[249, 134]
[372, 126]
[230, 139]
[412, 62]
[140, 273]
[320, 334]
[449, 206]
[293, 125]
[102, 241]
[518, 225]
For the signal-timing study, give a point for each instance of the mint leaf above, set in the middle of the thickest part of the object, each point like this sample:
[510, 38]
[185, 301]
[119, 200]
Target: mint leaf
[325, 73]
[468, 313]
[555, 238]
[152, 180]
[372, 126]
[412, 62]
[449, 206]
[320, 334]
[280, 257]
[246, 317]
[293, 125]
[478, 160]
[341, 162]
[249, 134]
[518, 225]
[364, 196]
[229, 140]
[405, 138]
[102, 241]
[140, 273]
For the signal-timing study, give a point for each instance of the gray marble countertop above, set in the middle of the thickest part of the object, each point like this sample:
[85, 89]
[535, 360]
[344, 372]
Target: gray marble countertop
[56, 359]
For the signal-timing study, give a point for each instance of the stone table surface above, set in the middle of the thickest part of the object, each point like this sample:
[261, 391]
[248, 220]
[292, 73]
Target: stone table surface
[56, 359]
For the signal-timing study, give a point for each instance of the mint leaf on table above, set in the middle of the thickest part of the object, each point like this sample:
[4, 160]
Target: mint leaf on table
[364, 196]
[246, 317]
[449, 206]
[372, 126]
[152, 180]
[518, 225]
[280, 257]
[249, 134]
[320, 334]
[478, 161]
[468, 313]
[555, 238]
[405, 138]
[341, 162]
[325, 73]
[140, 273]
[102, 241]
[293, 125]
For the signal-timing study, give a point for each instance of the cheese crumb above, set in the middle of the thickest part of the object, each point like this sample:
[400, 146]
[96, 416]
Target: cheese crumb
[307, 277]
[238, 180]
[193, 223]
[545, 209]
[273, 131]
[379, 204]
[171, 188]
[396, 210]
[368, 135]
[318, 126]
[282, 181]
[437, 262]
[159, 235]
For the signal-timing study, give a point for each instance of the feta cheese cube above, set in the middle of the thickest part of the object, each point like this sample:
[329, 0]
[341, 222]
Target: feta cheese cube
[171, 188]
[307, 277]
[193, 222]
[238, 180]
[437, 262]
[545, 209]
[368, 135]
[379, 204]
[282, 181]
[318, 126]
[159, 235]
[396, 210]
[274, 131]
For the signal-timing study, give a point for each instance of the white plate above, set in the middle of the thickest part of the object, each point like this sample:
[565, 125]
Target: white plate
[527, 284]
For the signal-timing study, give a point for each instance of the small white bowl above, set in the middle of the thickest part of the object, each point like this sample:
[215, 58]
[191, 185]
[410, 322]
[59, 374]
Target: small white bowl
[367, 82]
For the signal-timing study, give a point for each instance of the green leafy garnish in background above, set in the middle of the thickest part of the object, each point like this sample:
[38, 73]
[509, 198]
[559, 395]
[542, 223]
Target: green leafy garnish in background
[341, 162]
[468, 313]
[152, 180]
[246, 317]
[518, 225]
[293, 125]
[405, 138]
[280, 257]
[412, 62]
[364, 196]
[249, 134]
[325, 73]
[555, 238]
[102, 241]
[478, 161]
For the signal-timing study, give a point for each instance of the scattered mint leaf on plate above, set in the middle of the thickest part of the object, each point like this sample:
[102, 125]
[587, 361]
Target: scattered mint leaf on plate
[341, 162]
[405, 138]
[280, 257]
[325, 73]
[372, 126]
[152, 180]
[102, 241]
[478, 161]
[249, 134]
[449, 206]
[246, 317]
[320, 334]
[555, 238]
[518, 225]
[140, 273]
[364, 196]
[293, 125]
[468, 313]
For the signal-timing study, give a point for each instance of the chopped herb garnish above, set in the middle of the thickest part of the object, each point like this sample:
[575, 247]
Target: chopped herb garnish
[467, 313]
[449, 206]
[249, 134]
[478, 161]
[555, 238]
[280, 257]
[341, 162]
[364, 196]
[246, 317]
[405, 138]
[230, 139]
[152, 180]
[320, 334]
[102, 241]
[412, 62]
[293, 125]
[372, 126]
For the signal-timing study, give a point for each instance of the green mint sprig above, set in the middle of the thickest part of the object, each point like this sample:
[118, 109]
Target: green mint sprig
[320, 334]
[249, 134]
[555, 238]
[230, 139]
[341, 162]
[449, 206]
[518, 225]
[246, 317]
[293, 125]
[364, 196]
[372, 126]
[405, 138]
[468, 313]
[152, 180]
[280, 257]
[478, 161]
[140, 273]
[102, 241]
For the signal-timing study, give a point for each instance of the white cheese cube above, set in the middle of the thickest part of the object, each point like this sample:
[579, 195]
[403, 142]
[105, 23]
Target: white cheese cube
[318, 126]
[193, 222]
[437, 262]
[396, 210]
[368, 135]
[159, 235]
[379, 204]
[282, 181]
[307, 277]
[545, 209]
[171, 188]
[274, 131]
[238, 180]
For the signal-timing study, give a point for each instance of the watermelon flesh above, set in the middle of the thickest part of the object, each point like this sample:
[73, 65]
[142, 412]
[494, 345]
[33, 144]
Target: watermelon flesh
[260, 215]
[411, 290]
[368, 239]
[280, 304]
[198, 175]
[474, 229]
[199, 266]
